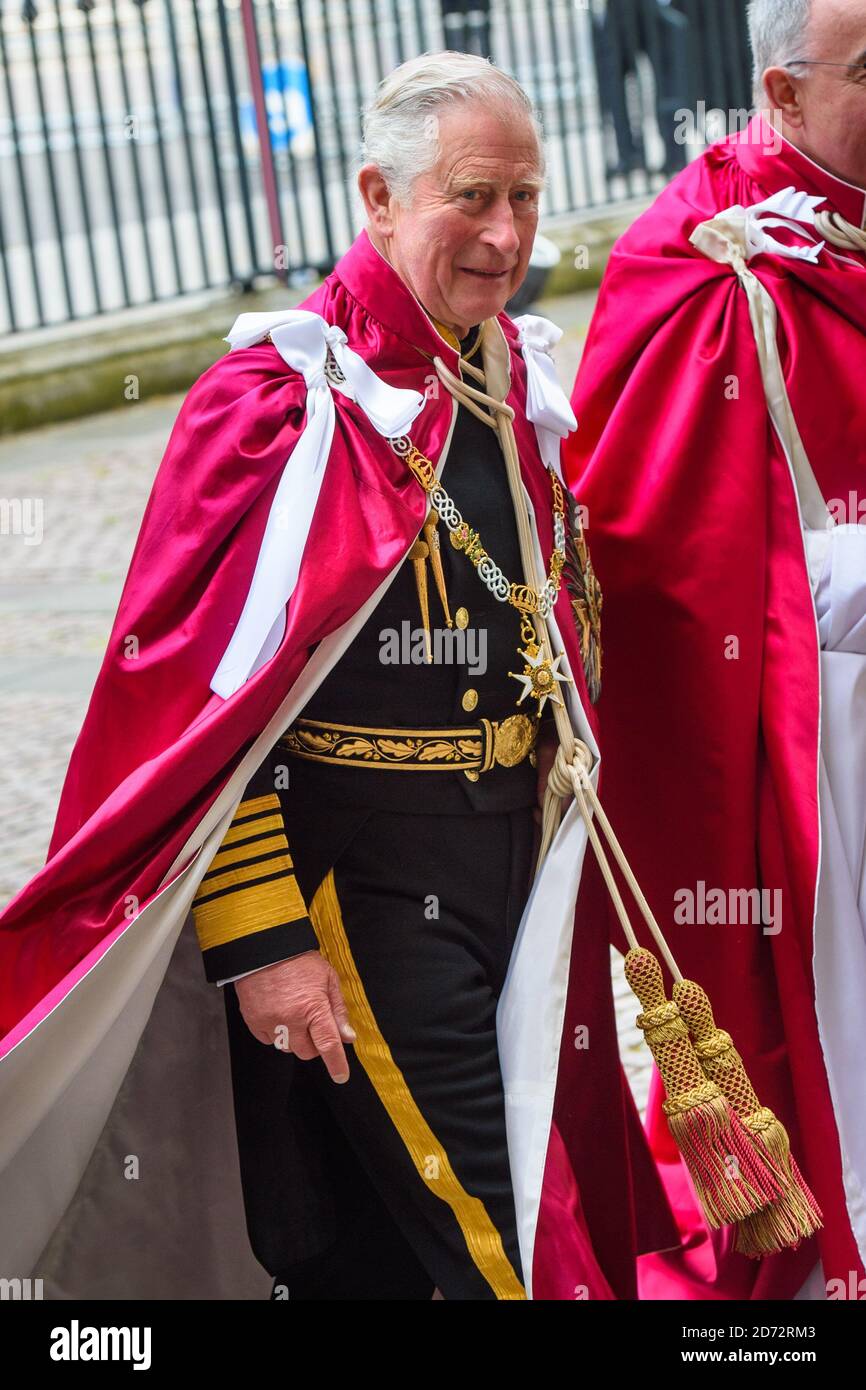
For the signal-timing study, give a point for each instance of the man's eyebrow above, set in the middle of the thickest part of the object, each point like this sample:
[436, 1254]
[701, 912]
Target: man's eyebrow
[478, 181]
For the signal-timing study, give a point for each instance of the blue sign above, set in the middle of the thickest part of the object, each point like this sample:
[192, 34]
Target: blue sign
[287, 99]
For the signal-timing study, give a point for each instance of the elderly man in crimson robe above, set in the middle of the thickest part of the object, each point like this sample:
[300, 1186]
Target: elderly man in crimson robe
[720, 456]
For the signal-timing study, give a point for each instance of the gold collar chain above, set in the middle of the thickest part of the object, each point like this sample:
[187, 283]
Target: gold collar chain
[540, 674]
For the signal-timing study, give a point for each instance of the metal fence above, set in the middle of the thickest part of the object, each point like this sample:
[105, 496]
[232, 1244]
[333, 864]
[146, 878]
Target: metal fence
[131, 167]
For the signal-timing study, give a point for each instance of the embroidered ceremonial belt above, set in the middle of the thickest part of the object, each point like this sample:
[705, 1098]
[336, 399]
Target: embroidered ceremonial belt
[470, 748]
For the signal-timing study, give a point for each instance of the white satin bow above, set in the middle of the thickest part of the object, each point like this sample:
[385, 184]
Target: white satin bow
[789, 207]
[302, 338]
[747, 225]
[547, 405]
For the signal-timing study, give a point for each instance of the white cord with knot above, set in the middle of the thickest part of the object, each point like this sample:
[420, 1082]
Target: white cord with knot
[834, 228]
[503, 416]
[573, 765]
[571, 775]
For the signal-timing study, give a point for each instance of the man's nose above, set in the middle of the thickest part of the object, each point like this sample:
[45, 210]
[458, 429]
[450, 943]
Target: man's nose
[500, 231]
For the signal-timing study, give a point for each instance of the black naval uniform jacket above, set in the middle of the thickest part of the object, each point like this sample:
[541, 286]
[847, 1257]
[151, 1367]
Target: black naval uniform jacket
[323, 801]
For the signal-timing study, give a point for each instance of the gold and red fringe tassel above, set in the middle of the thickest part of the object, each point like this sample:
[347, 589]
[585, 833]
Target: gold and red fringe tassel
[733, 1179]
[793, 1214]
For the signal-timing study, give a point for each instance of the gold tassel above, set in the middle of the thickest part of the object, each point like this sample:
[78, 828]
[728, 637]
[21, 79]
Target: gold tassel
[794, 1213]
[732, 1181]
[418, 555]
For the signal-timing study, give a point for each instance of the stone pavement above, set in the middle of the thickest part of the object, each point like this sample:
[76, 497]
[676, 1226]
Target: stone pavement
[82, 489]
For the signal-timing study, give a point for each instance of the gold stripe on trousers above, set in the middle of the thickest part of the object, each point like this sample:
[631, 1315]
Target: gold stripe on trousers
[483, 1240]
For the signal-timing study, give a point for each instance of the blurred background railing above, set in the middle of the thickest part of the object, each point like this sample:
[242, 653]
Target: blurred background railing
[131, 169]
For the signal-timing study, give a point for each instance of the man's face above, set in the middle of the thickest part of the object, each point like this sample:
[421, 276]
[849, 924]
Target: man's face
[831, 124]
[463, 243]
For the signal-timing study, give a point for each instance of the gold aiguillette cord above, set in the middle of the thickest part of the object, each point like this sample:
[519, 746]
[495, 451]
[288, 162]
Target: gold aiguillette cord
[418, 555]
[421, 551]
[431, 535]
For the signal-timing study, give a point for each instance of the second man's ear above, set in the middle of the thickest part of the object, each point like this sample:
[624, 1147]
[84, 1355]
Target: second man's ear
[783, 94]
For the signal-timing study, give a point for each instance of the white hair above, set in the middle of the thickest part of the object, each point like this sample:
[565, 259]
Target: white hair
[777, 31]
[400, 124]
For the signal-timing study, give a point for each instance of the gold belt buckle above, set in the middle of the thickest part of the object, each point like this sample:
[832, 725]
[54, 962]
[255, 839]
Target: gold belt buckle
[513, 738]
[507, 742]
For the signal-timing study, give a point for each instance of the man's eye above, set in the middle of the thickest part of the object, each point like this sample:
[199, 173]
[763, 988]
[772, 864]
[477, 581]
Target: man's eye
[469, 193]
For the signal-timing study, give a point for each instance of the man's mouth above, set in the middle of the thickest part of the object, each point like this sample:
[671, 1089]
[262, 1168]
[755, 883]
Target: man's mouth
[486, 274]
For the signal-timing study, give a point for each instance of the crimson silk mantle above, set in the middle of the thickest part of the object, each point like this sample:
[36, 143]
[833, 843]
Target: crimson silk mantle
[711, 763]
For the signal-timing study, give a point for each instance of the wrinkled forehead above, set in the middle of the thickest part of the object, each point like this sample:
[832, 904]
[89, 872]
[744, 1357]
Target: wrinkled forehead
[480, 145]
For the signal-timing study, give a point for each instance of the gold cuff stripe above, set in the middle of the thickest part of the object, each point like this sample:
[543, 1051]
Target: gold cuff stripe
[482, 1238]
[262, 868]
[224, 857]
[269, 802]
[249, 910]
[257, 826]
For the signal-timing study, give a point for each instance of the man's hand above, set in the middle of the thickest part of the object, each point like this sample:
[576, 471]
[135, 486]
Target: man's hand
[297, 1005]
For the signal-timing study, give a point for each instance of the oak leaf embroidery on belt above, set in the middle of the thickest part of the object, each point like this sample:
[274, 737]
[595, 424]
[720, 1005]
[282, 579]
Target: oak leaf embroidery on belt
[383, 749]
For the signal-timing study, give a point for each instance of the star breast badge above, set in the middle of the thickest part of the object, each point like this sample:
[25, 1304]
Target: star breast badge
[585, 593]
[539, 677]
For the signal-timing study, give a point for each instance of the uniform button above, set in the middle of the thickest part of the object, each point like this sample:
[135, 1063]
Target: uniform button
[471, 773]
[461, 617]
[470, 699]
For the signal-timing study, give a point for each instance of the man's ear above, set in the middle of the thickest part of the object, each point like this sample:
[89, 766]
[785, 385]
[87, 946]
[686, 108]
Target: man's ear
[783, 95]
[377, 199]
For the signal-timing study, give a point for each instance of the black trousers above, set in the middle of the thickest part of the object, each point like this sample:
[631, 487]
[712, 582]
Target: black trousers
[398, 1180]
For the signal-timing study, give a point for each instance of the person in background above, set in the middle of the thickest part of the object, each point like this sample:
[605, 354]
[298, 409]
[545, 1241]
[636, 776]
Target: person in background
[720, 457]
